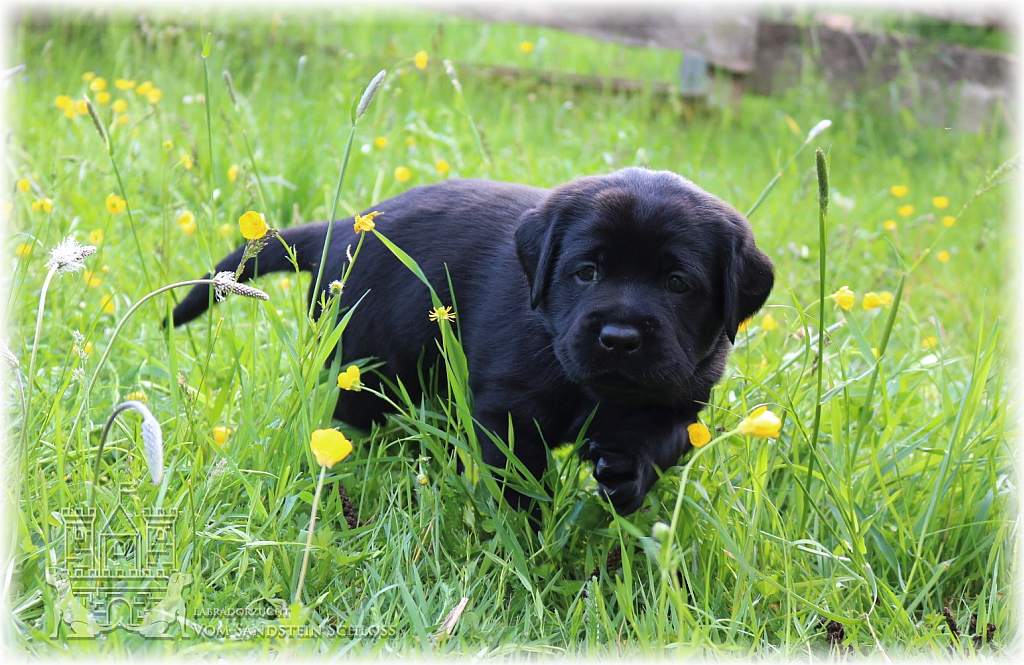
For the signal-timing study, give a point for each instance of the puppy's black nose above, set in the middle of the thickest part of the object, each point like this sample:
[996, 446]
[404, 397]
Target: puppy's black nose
[617, 337]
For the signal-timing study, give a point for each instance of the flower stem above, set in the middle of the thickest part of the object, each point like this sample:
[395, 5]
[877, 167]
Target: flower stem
[309, 535]
[30, 378]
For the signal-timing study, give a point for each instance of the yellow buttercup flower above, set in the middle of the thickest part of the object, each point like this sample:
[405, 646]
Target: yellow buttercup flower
[167, 145]
[421, 59]
[905, 210]
[948, 221]
[107, 304]
[761, 423]
[899, 191]
[124, 84]
[233, 173]
[889, 225]
[96, 237]
[930, 342]
[63, 102]
[103, 97]
[768, 322]
[442, 166]
[526, 48]
[874, 300]
[844, 297]
[92, 280]
[349, 378]
[402, 173]
[138, 396]
[441, 312]
[98, 84]
[120, 106]
[115, 204]
[187, 222]
[88, 76]
[24, 184]
[154, 96]
[81, 107]
[221, 435]
[42, 204]
[23, 250]
[940, 202]
[122, 120]
[364, 223]
[144, 88]
[380, 142]
[87, 349]
[699, 434]
[186, 161]
[253, 225]
[943, 256]
[329, 446]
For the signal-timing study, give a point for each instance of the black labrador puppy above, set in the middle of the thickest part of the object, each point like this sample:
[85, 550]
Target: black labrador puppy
[622, 292]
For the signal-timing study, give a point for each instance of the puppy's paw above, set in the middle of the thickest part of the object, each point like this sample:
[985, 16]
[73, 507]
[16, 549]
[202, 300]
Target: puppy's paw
[624, 479]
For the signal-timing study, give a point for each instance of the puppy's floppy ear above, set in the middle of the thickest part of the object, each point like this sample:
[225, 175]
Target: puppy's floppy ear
[749, 277]
[536, 246]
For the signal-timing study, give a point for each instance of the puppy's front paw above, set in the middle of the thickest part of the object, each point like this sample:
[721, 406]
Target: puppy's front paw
[624, 479]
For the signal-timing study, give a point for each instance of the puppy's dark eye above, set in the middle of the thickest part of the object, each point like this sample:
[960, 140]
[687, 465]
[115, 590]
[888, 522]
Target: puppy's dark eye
[676, 284]
[587, 273]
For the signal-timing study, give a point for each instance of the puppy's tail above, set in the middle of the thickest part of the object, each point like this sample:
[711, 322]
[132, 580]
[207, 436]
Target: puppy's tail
[307, 241]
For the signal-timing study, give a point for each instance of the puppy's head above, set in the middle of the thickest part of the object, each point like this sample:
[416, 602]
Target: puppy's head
[642, 279]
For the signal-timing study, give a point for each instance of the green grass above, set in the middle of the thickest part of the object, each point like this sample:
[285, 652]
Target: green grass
[907, 507]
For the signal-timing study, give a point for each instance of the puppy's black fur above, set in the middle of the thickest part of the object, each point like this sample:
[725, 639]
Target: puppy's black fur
[622, 291]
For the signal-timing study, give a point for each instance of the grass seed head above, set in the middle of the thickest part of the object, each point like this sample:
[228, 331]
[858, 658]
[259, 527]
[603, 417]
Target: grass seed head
[226, 283]
[69, 256]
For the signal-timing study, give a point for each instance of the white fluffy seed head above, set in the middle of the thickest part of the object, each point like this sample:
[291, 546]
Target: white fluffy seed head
[818, 129]
[226, 283]
[69, 256]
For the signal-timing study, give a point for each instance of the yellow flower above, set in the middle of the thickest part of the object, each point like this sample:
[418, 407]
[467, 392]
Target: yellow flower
[225, 230]
[942, 256]
[154, 95]
[233, 173]
[402, 173]
[940, 202]
[380, 142]
[422, 479]
[44, 204]
[116, 205]
[284, 283]
[186, 161]
[768, 323]
[23, 250]
[421, 59]
[144, 88]
[761, 423]
[120, 106]
[889, 225]
[88, 76]
[221, 435]
[899, 191]
[329, 446]
[364, 223]
[442, 166]
[253, 225]
[138, 396]
[930, 342]
[905, 210]
[844, 297]
[123, 120]
[96, 237]
[107, 304]
[874, 300]
[187, 222]
[526, 48]
[948, 221]
[92, 280]
[124, 84]
[168, 145]
[103, 97]
[98, 84]
[441, 312]
[81, 107]
[24, 184]
[742, 327]
[699, 434]
[63, 102]
[88, 348]
[349, 378]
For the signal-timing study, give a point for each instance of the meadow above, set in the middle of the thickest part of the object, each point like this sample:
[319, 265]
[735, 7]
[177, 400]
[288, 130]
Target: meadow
[867, 527]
